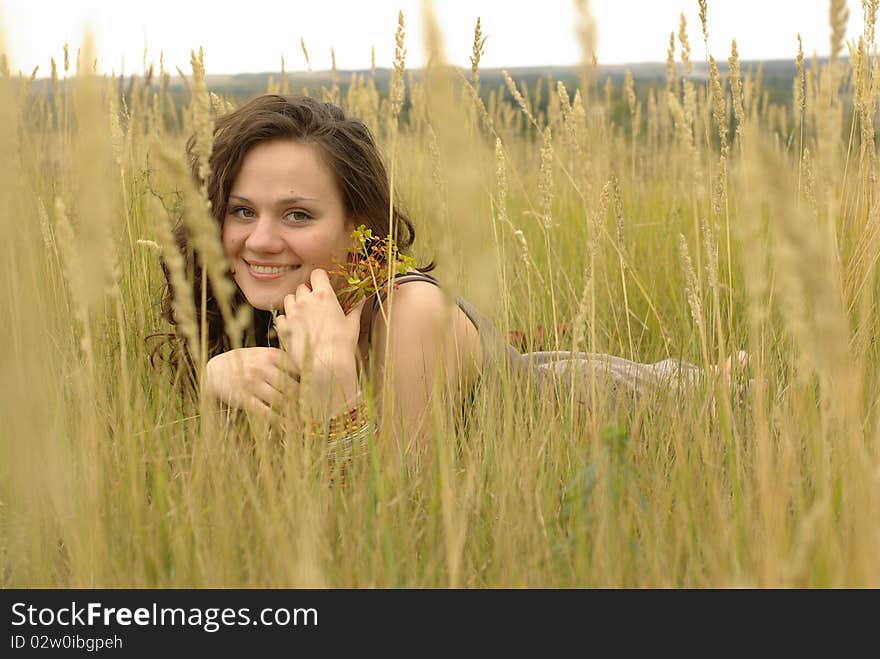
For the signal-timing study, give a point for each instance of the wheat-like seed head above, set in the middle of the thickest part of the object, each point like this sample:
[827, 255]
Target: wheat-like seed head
[217, 102]
[546, 180]
[564, 101]
[477, 101]
[397, 90]
[869, 8]
[617, 201]
[799, 94]
[864, 104]
[810, 180]
[685, 46]
[807, 276]
[599, 217]
[859, 68]
[203, 122]
[56, 92]
[719, 107]
[585, 306]
[719, 190]
[518, 97]
[710, 246]
[838, 15]
[74, 274]
[523, 245]
[702, 4]
[629, 90]
[117, 139]
[500, 173]
[736, 88]
[45, 227]
[477, 50]
[691, 287]
[567, 111]
[683, 117]
[305, 52]
[671, 70]
[436, 164]
[205, 235]
[689, 94]
[182, 303]
[94, 201]
[586, 31]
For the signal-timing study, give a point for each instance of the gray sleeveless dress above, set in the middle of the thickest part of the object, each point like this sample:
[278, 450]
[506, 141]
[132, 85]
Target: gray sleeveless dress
[557, 374]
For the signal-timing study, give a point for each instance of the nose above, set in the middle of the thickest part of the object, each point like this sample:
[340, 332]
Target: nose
[265, 237]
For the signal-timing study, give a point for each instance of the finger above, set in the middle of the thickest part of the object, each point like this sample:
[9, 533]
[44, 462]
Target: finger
[283, 382]
[258, 408]
[320, 279]
[279, 373]
[354, 315]
[358, 308]
[265, 392]
[287, 366]
[289, 303]
[302, 290]
[282, 329]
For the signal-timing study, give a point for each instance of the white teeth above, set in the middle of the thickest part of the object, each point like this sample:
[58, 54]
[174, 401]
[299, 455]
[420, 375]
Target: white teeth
[269, 269]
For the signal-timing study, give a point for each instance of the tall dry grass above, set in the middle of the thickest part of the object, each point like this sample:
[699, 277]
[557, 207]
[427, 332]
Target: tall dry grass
[710, 220]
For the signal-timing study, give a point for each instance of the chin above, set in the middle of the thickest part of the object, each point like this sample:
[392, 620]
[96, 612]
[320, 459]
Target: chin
[265, 302]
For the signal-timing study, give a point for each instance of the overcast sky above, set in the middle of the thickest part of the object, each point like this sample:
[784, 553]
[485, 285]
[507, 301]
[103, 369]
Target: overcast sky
[252, 35]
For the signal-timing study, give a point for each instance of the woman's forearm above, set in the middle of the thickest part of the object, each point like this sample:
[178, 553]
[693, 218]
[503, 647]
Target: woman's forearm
[330, 387]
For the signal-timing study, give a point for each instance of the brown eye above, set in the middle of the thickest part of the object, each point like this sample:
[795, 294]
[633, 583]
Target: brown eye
[297, 216]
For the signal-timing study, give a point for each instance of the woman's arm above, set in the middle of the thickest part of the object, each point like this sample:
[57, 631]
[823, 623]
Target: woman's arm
[426, 348]
[254, 379]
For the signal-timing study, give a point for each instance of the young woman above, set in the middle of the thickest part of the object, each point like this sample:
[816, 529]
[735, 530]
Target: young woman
[290, 180]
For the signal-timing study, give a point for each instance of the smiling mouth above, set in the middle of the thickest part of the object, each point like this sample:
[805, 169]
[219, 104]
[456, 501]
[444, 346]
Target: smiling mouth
[270, 270]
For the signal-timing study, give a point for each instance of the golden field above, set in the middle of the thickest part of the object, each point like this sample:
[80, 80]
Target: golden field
[708, 220]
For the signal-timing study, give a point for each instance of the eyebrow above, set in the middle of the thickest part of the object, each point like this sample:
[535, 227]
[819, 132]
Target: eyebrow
[279, 202]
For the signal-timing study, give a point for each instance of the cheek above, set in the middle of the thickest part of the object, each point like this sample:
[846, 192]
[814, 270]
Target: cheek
[231, 239]
[317, 246]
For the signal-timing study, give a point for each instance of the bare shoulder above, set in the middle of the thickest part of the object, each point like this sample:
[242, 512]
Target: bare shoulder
[423, 312]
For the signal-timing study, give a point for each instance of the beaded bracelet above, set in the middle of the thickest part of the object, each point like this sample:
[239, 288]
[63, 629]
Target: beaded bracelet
[340, 453]
[344, 423]
[342, 433]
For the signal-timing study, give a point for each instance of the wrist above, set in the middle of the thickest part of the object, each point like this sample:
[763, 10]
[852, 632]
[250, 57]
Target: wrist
[333, 384]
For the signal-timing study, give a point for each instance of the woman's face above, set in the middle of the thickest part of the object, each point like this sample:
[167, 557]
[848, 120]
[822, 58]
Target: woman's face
[285, 217]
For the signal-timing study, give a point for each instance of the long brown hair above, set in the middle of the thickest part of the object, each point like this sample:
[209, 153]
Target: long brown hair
[348, 150]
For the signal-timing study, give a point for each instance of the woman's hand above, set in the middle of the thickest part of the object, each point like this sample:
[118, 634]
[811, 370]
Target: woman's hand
[730, 370]
[253, 379]
[320, 341]
[314, 330]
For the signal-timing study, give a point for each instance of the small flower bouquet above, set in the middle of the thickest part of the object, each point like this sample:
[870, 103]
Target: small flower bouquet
[368, 271]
